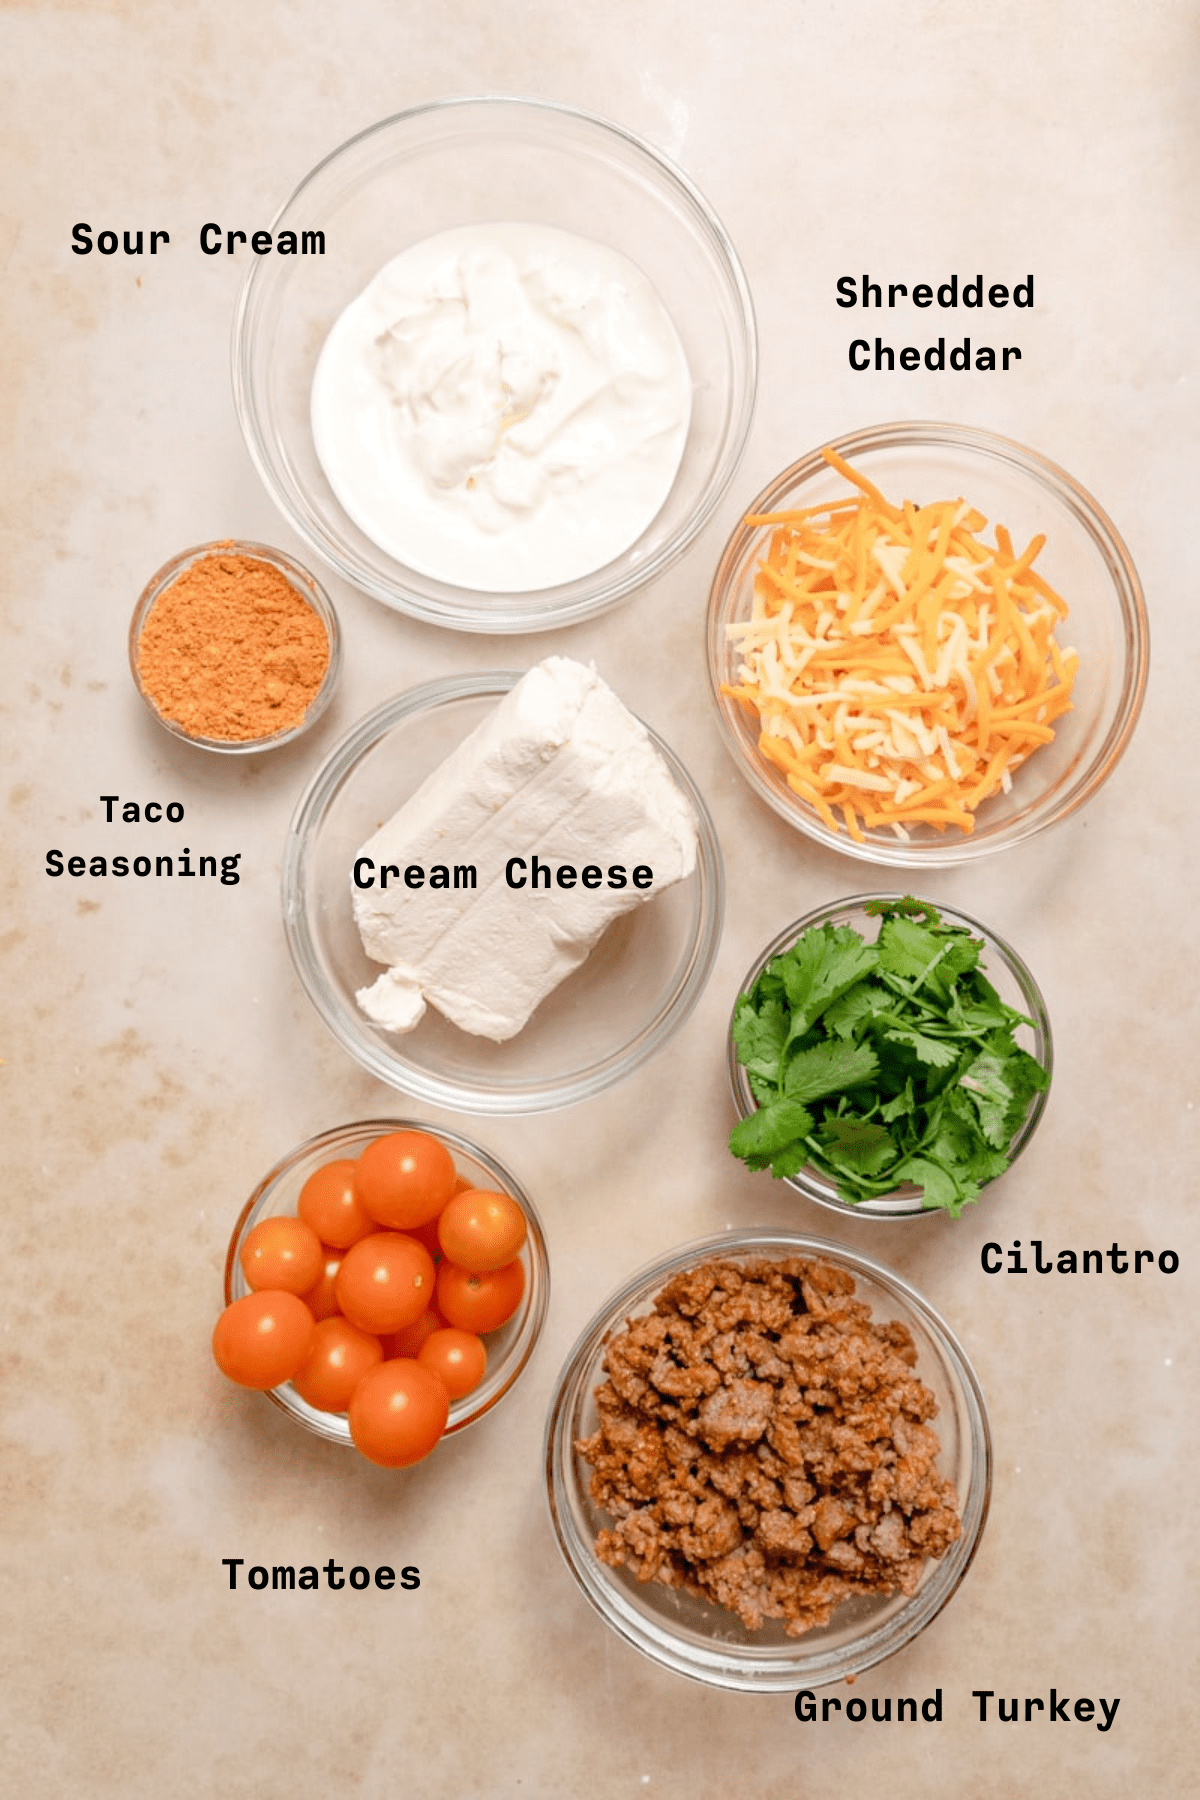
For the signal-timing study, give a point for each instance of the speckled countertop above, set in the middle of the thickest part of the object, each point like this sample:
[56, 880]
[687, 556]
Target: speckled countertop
[159, 1053]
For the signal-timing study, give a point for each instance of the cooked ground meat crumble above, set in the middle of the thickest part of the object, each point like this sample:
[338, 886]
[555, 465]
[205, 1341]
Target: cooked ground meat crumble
[762, 1443]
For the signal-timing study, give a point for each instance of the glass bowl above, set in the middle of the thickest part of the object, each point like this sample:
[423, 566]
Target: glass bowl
[301, 583]
[1083, 558]
[634, 990]
[683, 1632]
[1007, 974]
[468, 161]
[509, 1349]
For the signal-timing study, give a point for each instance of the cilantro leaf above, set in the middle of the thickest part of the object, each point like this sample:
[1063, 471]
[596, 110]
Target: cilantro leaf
[940, 1186]
[770, 1130]
[1026, 1077]
[934, 1051]
[900, 1105]
[759, 1036]
[907, 949]
[790, 1161]
[856, 1144]
[980, 1007]
[829, 1068]
[819, 967]
[929, 959]
[983, 1082]
[859, 1003]
[857, 1154]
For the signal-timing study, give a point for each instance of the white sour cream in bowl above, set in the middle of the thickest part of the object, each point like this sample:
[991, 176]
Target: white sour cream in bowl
[504, 407]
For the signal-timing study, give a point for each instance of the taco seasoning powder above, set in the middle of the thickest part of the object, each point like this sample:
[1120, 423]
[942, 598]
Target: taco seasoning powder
[229, 649]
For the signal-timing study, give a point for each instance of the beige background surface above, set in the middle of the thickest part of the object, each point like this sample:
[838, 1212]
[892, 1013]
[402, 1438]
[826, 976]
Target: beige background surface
[159, 1054]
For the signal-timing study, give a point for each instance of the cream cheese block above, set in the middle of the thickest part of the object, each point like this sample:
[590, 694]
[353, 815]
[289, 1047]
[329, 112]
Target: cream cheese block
[561, 771]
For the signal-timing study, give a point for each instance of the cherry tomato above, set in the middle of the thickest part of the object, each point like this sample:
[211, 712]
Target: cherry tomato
[479, 1230]
[341, 1355]
[263, 1339]
[408, 1341]
[457, 1358]
[281, 1253]
[398, 1413]
[321, 1300]
[426, 1234]
[479, 1302]
[385, 1281]
[404, 1178]
[329, 1204]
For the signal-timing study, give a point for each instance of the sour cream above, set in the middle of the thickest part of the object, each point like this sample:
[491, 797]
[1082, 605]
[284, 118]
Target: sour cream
[504, 407]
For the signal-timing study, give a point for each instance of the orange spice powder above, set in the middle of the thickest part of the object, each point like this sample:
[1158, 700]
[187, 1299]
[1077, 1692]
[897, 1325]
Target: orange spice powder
[231, 650]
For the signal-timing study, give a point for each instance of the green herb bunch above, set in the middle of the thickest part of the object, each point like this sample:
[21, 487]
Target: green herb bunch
[886, 1063]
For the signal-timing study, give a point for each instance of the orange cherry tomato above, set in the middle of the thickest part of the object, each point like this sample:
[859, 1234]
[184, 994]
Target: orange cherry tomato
[341, 1355]
[385, 1281]
[398, 1412]
[457, 1358]
[408, 1341]
[281, 1253]
[263, 1339]
[480, 1230]
[404, 1178]
[479, 1302]
[321, 1300]
[329, 1204]
[426, 1234]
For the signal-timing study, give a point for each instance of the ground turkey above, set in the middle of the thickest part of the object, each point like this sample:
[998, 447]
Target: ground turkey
[764, 1445]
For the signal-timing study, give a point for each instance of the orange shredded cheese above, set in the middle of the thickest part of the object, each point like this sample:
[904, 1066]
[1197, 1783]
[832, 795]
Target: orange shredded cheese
[901, 667]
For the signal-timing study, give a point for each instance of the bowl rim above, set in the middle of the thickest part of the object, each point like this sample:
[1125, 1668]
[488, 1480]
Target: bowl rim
[302, 582]
[478, 1096]
[748, 1672]
[1126, 585]
[443, 603]
[480, 1401]
[810, 1183]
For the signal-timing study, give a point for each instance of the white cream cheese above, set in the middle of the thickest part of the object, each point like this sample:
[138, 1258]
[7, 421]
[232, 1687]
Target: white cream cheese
[503, 407]
[560, 770]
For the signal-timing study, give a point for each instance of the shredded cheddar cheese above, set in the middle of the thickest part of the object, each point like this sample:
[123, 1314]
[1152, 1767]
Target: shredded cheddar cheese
[901, 668]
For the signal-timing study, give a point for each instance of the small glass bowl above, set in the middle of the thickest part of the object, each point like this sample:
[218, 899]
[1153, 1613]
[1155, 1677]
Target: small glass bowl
[633, 991]
[509, 1349]
[483, 160]
[301, 583]
[1083, 558]
[1007, 974]
[711, 1645]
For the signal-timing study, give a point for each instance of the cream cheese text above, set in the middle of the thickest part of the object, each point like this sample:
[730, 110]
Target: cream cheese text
[552, 819]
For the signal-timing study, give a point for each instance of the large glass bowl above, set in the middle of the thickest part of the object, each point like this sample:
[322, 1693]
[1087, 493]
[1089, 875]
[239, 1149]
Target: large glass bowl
[682, 1632]
[1083, 558]
[509, 1349]
[634, 990]
[462, 162]
[1007, 974]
